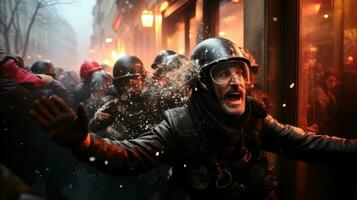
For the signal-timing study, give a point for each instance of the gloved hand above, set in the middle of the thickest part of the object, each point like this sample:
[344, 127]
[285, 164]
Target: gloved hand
[60, 122]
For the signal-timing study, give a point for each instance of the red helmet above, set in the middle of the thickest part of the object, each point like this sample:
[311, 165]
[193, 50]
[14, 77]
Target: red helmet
[89, 67]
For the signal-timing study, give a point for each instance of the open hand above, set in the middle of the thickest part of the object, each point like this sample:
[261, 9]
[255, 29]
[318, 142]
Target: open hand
[60, 122]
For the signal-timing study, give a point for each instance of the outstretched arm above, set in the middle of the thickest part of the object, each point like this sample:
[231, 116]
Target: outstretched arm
[115, 157]
[308, 146]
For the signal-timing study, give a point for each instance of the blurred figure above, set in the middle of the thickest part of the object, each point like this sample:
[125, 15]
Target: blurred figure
[70, 80]
[55, 87]
[160, 58]
[107, 68]
[20, 61]
[82, 92]
[129, 112]
[58, 165]
[59, 72]
[323, 106]
[43, 67]
[168, 64]
[18, 90]
[100, 85]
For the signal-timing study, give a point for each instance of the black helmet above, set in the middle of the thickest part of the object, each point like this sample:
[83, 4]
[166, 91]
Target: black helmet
[216, 50]
[43, 67]
[160, 58]
[128, 66]
[170, 63]
[101, 80]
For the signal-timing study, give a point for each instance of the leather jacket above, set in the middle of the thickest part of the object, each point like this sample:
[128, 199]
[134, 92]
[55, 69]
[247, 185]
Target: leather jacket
[177, 142]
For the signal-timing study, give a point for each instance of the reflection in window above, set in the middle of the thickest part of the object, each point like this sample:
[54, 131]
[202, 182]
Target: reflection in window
[328, 49]
[231, 21]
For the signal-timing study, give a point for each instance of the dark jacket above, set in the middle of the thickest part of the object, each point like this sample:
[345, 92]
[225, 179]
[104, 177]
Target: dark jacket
[178, 141]
[17, 145]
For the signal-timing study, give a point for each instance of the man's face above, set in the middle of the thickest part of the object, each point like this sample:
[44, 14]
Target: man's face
[331, 82]
[229, 82]
[133, 85]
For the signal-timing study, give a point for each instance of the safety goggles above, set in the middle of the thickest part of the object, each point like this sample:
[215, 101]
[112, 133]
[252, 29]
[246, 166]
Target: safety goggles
[223, 73]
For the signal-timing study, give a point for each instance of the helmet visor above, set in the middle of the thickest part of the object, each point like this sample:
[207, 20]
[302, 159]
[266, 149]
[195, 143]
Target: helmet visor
[223, 73]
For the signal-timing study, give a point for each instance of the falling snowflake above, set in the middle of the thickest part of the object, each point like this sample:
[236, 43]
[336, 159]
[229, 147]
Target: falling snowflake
[292, 85]
[157, 153]
[92, 159]
[106, 162]
[284, 105]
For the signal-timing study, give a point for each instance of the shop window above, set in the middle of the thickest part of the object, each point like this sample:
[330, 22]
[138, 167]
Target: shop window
[176, 40]
[327, 66]
[231, 21]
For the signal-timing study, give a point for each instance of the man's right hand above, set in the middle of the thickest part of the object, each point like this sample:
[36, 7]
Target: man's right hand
[60, 122]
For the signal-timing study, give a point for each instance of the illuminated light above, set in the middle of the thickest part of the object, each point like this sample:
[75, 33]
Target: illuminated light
[325, 16]
[29, 57]
[106, 62]
[350, 58]
[284, 105]
[163, 6]
[292, 85]
[313, 49]
[235, 1]
[147, 18]
[39, 56]
[116, 55]
[91, 50]
[48, 60]
[109, 40]
[222, 33]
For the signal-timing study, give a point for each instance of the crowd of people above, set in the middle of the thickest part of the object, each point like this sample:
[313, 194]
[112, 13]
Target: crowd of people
[196, 129]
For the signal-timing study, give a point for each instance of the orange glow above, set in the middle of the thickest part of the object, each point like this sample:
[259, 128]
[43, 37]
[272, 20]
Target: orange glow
[235, 1]
[91, 50]
[313, 49]
[325, 16]
[311, 9]
[164, 5]
[116, 55]
[147, 18]
[350, 58]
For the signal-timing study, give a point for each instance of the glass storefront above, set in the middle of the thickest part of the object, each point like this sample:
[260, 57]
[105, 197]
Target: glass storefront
[231, 22]
[327, 79]
[328, 52]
